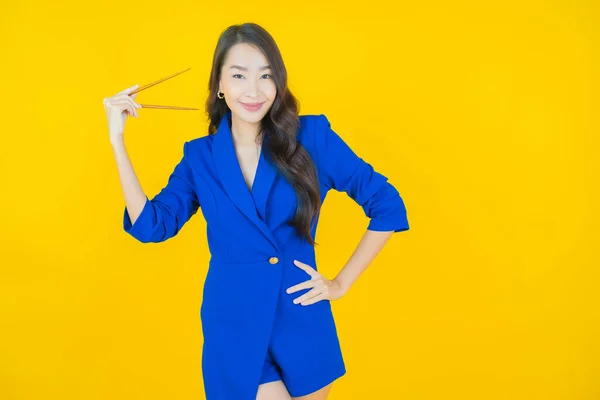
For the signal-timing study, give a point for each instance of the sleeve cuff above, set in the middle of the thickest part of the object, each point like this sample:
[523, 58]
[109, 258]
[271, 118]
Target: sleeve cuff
[387, 224]
[142, 225]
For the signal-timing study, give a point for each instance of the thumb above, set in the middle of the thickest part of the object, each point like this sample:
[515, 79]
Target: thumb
[129, 90]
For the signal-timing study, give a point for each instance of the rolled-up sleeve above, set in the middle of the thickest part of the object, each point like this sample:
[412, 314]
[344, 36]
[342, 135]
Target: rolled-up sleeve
[164, 215]
[345, 171]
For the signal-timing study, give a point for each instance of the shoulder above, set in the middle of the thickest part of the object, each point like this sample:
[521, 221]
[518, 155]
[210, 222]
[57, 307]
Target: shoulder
[308, 120]
[313, 128]
[321, 135]
[200, 144]
[313, 122]
[197, 151]
[201, 141]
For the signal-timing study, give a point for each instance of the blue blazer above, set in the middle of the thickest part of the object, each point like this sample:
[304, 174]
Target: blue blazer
[252, 248]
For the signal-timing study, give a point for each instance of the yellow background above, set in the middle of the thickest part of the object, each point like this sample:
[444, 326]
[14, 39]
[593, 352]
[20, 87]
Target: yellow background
[484, 115]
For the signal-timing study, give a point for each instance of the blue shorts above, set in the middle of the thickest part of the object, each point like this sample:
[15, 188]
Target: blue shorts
[304, 364]
[271, 371]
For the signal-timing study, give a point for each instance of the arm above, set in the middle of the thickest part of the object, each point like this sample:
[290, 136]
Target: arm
[162, 217]
[343, 170]
[369, 246]
[130, 184]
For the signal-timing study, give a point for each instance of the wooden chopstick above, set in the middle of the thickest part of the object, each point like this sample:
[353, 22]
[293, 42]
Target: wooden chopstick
[156, 83]
[167, 107]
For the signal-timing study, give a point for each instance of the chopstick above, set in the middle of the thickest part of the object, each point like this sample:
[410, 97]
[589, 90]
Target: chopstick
[156, 83]
[167, 107]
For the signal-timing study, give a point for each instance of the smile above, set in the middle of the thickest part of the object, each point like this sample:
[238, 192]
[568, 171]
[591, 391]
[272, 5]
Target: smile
[253, 107]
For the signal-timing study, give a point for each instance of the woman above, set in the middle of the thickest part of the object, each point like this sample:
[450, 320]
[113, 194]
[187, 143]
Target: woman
[260, 177]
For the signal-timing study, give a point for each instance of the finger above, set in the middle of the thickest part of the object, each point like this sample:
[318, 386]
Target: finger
[306, 296]
[306, 268]
[126, 109]
[124, 103]
[313, 300]
[125, 97]
[129, 90]
[303, 285]
[119, 108]
[118, 102]
[133, 103]
[116, 108]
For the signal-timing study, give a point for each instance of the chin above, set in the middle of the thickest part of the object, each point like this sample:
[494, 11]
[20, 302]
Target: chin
[249, 116]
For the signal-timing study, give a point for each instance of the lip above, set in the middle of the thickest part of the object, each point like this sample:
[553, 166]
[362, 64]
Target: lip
[252, 106]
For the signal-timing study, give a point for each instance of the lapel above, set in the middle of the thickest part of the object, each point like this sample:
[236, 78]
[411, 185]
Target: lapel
[252, 205]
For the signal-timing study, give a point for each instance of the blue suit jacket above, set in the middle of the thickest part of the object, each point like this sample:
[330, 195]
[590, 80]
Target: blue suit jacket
[252, 246]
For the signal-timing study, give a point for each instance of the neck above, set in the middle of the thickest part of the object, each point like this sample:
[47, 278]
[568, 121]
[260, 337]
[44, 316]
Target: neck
[244, 133]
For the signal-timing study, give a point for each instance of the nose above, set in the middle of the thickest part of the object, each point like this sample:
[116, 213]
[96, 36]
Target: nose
[252, 88]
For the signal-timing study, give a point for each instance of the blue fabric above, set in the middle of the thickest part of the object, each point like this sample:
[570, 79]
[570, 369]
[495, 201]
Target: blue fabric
[271, 370]
[250, 325]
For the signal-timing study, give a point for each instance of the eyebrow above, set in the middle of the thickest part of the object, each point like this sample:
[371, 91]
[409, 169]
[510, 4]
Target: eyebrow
[246, 69]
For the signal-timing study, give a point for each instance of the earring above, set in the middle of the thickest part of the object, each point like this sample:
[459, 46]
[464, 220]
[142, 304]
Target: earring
[220, 95]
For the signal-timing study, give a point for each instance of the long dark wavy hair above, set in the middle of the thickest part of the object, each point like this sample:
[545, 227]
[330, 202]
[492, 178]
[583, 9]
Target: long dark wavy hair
[279, 126]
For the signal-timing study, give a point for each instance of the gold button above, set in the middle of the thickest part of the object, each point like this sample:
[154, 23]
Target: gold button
[273, 260]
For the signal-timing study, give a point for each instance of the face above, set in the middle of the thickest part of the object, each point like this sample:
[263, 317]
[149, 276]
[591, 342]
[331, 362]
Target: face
[246, 80]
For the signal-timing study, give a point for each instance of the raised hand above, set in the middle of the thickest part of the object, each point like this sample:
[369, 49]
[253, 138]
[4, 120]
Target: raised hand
[118, 107]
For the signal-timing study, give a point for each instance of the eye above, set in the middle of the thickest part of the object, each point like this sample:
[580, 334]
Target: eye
[269, 75]
[237, 75]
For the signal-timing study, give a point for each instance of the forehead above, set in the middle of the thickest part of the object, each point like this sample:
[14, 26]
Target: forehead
[245, 55]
